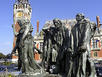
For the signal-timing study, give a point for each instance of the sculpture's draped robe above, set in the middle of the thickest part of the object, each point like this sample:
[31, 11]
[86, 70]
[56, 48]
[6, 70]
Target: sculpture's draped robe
[26, 45]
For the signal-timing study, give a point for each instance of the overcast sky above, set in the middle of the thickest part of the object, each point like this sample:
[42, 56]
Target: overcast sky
[44, 10]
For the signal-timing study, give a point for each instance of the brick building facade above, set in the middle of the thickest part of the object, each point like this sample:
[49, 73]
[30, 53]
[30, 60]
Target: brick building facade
[96, 45]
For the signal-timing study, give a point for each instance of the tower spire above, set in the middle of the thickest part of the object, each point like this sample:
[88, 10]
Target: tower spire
[22, 1]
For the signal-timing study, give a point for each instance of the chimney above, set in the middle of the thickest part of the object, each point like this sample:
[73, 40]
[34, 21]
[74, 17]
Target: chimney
[98, 21]
[37, 26]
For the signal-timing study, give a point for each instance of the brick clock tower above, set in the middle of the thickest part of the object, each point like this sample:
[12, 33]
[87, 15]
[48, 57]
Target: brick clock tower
[21, 10]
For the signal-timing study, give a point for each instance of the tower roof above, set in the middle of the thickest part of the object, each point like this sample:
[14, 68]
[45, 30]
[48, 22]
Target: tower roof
[22, 1]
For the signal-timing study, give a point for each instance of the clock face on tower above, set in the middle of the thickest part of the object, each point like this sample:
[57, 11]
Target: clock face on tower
[19, 14]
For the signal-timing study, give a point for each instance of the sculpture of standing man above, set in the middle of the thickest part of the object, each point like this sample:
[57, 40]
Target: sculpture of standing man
[26, 48]
[82, 34]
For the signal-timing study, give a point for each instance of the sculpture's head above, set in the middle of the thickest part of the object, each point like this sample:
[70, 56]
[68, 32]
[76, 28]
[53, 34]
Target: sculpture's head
[57, 22]
[80, 16]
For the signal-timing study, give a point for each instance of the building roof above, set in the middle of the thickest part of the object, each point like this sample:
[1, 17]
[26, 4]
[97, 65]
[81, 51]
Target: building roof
[98, 32]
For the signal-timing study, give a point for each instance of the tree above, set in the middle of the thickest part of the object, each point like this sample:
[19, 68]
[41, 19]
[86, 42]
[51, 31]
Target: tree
[8, 56]
[2, 56]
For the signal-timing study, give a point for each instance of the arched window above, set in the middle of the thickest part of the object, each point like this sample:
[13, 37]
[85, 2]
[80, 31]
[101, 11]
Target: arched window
[95, 43]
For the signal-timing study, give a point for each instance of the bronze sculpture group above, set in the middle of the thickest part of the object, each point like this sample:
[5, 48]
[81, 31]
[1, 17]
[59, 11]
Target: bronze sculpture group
[65, 52]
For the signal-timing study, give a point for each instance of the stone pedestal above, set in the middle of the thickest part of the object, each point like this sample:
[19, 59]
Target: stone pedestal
[52, 75]
[32, 75]
[39, 75]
